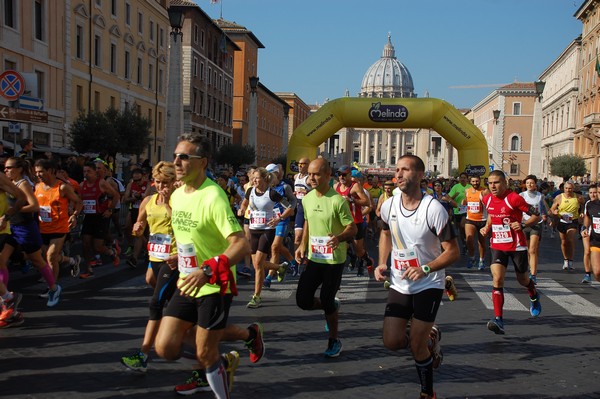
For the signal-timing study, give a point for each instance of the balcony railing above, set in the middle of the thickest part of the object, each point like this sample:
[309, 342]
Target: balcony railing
[591, 119]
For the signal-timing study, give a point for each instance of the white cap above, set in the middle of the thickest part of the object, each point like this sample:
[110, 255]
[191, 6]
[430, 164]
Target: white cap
[272, 168]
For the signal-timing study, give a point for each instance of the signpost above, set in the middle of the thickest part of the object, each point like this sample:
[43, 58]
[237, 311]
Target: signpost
[12, 85]
[36, 104]
[22, 115]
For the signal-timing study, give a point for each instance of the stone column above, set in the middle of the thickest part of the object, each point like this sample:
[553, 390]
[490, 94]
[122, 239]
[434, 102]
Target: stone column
[398, 144]
[389, 148]
[376, 147]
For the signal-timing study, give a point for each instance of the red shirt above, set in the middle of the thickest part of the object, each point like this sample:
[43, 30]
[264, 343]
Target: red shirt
[504, 210]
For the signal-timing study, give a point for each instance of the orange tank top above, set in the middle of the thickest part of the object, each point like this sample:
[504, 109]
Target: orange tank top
[474, 205]
[54, 209]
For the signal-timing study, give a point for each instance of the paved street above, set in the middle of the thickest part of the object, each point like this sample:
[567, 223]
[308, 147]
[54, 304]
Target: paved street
[73, 350]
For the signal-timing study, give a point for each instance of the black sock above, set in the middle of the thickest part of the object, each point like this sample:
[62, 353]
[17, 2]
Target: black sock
[425, 372]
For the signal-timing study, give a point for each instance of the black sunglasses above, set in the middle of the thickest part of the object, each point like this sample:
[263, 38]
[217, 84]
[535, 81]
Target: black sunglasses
[186, 157]
[342, 174]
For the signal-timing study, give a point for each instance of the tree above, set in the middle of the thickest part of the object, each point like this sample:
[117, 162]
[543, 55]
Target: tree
[281, 159]
[111, 131]
[235, 155]
[568, 165]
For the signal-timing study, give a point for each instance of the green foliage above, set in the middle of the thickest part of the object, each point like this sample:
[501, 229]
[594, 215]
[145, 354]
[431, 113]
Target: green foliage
[280, 159]
[235, 155]
[454, 172]
[111, 131]
[567, 166]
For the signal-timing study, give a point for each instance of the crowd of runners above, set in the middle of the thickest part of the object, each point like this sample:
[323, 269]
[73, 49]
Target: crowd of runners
[195, 231]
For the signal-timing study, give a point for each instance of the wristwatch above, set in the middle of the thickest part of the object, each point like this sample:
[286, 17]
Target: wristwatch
[207, 271]
[426, 269]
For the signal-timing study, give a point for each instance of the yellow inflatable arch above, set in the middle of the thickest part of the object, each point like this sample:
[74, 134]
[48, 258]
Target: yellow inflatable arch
[391, 113]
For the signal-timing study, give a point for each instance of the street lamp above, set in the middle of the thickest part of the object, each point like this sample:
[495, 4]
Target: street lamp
[252, 123]
[176, 17]
[539, 88]
[496, 113]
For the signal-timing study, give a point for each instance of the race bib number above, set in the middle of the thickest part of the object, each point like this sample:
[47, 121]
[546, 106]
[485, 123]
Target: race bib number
[45, 214]
[159, 246]
[320, 249]
[501, 234]
[89, 206]
[277, 212]
[462, 209]
[258, 220]
[402, 259]
[186, 258]
[566, 217]
[596, 224]
[474, 207]
[300, 194]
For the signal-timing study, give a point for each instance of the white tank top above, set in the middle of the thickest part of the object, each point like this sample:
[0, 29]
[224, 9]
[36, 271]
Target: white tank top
[534, 201]
[261, 210]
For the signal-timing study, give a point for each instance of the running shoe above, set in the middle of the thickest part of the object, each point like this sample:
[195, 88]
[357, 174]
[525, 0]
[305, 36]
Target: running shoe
[44, 294]
[535, 308]
[12, 303]
[435, 336]
[587, 278]
[481, 265]
[351, 261]
[196, 383]
[471, 263]
[232, 361]
[533, 278]
[267, 282]
[571, 267]
[334, 348]
[16, 319]
[115, 258]
[294, 268]
[337, 303]
[54, 296]
[256, 346]
[132, 262]
[86, 275]
[135, 362]
[75, 269]
[129, 251]
[451, 290]
[387, 285]
[245, 272]
[566, 265]
[255, 302]
[6, 312]
[423, 395]
[95, 262]
[282, 271]
[496, 325]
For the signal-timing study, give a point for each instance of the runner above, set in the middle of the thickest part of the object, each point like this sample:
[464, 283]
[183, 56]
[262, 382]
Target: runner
[134, 194]
[475, 221]
[210, 242]
[585, 238]
[301, 188]
[56, 198]
[566, 208]
[418, 234]
[457, 194]
[505, 214]
[533, 233]
[327, 227]
[591, 233]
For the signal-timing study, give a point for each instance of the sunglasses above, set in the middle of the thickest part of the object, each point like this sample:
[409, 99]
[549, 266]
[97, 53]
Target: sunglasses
[342, 174]
[186, 157]
[302, 163]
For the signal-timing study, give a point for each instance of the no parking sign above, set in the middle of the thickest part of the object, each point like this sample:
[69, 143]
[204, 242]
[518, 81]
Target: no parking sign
[12, 85]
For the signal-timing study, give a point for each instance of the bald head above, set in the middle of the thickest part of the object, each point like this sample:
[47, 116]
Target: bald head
[319, 174]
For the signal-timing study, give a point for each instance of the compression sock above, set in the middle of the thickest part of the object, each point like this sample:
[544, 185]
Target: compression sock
[425, 372]
[48, 275]
[498, 301]
[217, 379]
[531, 289]
[4, 276]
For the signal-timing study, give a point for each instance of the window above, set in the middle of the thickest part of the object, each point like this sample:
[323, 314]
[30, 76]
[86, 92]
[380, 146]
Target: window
[113, 58]
[97, 50]
[202, 39]
[79, 41]
[97, 101]
[127, 65]
[128, 14]
[161, 37]
[150, 75]
[140, 23]
[202, 71]
[160, 80]
[79, 97]
[151, 28]
[514, 169]
[113, 7]
[39, 77]
[38, 13]
[195, 67]
[196, 34]
[139, 70]
[10, 65]
[195, 101]
[113, 102]
[9, 13]
[515, 144]
[516, 108]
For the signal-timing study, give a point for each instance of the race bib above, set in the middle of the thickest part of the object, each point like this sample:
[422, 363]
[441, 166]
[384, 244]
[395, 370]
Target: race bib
[186, 258]
[566, 217]
[474, 207]
[45, 214]
[300, 194]
[258, 220]
[402, 259]
[501, 234]
[277, 212]
[320, 249]
[89, 206]
[596, 224]
[159, 246]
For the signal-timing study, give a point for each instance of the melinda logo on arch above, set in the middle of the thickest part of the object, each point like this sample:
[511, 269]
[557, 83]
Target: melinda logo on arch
[388, 113]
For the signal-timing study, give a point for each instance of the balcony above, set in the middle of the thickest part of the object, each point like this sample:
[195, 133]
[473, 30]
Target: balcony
[591, 119]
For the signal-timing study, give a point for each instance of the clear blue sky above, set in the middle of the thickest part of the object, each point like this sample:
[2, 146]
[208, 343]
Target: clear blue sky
[319, 48]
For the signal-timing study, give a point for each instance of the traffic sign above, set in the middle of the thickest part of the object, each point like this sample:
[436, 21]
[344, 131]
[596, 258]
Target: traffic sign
[14, 127]
[22, 115]
[12, 85]
[33, 103]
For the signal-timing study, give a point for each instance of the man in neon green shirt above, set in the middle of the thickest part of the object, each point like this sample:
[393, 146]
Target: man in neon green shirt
[328, 225]
[457, 193]
[210, 242]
